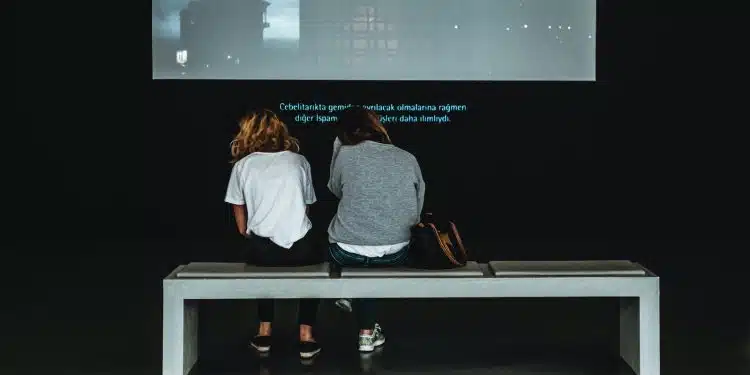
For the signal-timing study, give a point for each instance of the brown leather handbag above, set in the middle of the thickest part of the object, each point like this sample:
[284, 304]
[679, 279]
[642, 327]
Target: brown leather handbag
[436, 245]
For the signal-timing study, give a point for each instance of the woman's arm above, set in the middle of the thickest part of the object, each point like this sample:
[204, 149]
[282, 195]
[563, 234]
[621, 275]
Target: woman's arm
[336, 149]
[240, 218]
[420, 186]
[334, 178]
[236, 197]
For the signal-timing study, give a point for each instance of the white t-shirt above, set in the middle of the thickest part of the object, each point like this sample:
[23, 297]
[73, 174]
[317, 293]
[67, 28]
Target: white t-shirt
[373, 251]
[276, 188]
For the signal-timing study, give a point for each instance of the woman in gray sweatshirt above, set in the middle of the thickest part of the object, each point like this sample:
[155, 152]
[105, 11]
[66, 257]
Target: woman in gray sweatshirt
[381, 194]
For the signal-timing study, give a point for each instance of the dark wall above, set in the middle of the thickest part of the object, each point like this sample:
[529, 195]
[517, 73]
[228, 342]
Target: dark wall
[118, 157]
[520, 163]
[116, 179]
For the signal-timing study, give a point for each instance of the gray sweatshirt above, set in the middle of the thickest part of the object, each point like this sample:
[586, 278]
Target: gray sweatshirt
[381, 194]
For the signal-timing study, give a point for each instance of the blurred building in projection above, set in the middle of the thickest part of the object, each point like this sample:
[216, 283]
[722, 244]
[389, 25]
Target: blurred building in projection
[222, 34]
[415, 36]
[476, 39]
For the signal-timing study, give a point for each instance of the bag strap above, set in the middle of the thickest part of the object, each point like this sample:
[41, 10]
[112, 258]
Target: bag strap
[460, 243]
[442, 242]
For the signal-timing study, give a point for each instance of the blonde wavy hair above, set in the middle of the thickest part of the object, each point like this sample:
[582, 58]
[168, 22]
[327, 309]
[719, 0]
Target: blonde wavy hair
[262, 131]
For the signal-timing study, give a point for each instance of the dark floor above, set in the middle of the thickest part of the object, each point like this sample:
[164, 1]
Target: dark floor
[86, 316]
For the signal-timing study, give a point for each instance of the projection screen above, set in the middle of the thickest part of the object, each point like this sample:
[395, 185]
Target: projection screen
[434, 40]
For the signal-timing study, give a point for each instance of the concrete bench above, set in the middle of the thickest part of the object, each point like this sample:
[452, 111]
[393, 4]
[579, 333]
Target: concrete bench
[567, 268]
[637, 288]
[472, 269]
[244, 271]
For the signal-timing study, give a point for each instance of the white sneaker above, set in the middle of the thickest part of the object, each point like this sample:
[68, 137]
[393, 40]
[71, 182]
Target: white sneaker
[344, 304]
[368, 343]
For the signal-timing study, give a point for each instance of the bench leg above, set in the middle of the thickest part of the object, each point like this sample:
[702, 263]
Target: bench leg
[639, 334]
[180, 334]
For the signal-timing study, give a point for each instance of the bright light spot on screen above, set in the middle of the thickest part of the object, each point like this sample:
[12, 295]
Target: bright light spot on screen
[549, 27]
[229, 57]
[208, 65]
[559, 27]
[455, 27]
[569, 27]
[507, 28]
[525, 26]
[182, 56]
[590, 36]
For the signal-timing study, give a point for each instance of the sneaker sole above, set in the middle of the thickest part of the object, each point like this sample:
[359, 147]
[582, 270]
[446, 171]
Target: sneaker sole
[375, 345]
[261, 349]
[343, 306]
[308, 355]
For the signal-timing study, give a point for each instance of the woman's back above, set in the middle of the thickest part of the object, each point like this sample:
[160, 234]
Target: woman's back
[381, 191]
[275, 187]
[382, 194]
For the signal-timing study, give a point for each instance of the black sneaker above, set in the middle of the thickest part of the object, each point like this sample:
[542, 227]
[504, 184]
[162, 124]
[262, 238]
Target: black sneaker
[261, 343]
[308, 349]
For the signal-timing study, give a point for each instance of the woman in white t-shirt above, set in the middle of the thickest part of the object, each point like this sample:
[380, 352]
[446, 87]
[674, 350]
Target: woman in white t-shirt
[270, 189]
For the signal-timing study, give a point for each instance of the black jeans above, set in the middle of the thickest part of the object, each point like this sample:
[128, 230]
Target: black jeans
[264, 253]
[365, 308]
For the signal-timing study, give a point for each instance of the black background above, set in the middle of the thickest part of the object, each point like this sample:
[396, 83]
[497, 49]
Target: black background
[121, 178]
[636, 155]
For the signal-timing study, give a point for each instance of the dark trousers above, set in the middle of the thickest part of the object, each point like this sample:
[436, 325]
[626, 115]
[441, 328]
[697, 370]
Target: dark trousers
[263, 252]
[365, 308]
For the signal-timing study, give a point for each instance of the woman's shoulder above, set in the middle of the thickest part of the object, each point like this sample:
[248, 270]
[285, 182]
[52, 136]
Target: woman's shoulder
[296, 158]
[406, 155]
[266, 157]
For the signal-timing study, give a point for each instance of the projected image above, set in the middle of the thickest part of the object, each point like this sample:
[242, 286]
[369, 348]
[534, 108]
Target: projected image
[482, 40]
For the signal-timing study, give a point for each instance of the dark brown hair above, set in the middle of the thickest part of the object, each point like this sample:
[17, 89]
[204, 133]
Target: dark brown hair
[358, 124]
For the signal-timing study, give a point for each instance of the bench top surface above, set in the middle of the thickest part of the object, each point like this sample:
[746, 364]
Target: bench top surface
[244, 271]
[203, 270]
[472, 269]
[567, 268]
